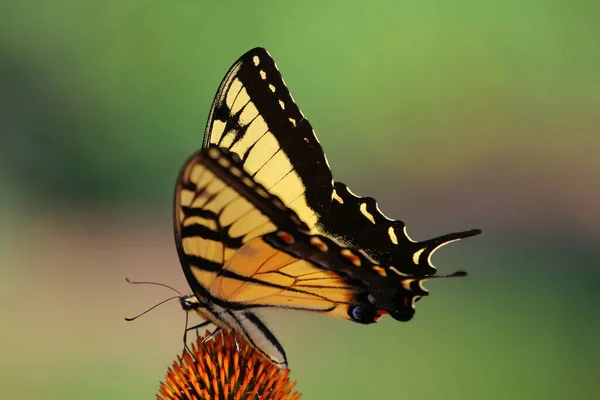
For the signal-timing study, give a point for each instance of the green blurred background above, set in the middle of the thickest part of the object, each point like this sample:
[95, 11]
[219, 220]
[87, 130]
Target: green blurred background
[454, 115]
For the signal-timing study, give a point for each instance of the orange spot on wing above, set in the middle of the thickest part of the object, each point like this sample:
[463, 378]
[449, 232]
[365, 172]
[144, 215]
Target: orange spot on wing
[350, 256]
[319, 244]
[286, 237]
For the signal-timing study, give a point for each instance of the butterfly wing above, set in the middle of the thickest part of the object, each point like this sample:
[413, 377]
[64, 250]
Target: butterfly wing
[215, 214]
[241, 248]
[255, 116]
[315, 273]
[358, 222]
[263, 274]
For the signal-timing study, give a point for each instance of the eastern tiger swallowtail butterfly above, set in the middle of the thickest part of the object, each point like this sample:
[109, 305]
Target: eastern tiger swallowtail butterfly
[260, 222]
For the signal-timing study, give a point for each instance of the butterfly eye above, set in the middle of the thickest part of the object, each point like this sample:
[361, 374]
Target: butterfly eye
[188, 305]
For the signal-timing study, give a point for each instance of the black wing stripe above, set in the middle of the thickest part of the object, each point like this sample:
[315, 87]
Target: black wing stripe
[203, 264]
[199, 212]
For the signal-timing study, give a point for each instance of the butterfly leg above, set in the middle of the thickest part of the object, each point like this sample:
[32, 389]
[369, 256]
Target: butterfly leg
[200, 325]
[196, 327]
[212, 335]
[237, 345]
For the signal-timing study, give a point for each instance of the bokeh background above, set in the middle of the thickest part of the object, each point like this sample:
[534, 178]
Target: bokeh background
[454, 115]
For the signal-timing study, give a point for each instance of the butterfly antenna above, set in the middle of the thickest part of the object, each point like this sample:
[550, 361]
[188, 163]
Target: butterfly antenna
[153, 283]
[151, 308]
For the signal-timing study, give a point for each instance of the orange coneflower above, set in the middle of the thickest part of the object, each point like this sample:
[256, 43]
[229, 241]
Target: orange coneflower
[218, 370]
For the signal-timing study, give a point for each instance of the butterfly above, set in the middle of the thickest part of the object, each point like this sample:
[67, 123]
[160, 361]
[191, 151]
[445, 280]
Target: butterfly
[260, 222]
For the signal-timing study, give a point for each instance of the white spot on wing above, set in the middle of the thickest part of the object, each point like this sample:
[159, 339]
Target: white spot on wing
[282, 105]
[263, 74]
[293, 121]
[337, 197]
[417, 255]
[255, 60]
[392, 235]
[272, 88]
[366, 213]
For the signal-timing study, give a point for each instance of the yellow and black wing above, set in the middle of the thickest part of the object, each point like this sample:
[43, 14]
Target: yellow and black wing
[254, 116]
[227, 227]
[237, 247]
[241, 248]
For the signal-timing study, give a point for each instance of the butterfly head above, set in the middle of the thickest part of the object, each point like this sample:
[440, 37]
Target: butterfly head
[189, 302]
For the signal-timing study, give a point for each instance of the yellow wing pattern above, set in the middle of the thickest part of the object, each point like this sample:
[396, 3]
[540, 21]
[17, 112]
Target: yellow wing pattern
[262, 276]
[225, 226]
[254, 116]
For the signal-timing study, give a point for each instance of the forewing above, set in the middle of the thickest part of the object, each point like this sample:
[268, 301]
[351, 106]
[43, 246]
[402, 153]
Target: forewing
[254, 116]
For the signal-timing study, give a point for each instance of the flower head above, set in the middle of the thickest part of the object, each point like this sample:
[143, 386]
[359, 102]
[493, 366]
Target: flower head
[218, 370]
